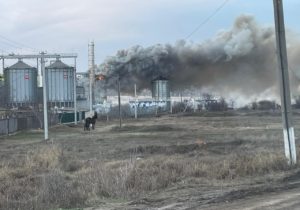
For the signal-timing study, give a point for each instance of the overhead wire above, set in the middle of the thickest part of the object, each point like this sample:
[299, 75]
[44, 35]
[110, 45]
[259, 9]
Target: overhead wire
[17, 44]
[9, 44]
[222, 5]
[21, 46]
[207, 19]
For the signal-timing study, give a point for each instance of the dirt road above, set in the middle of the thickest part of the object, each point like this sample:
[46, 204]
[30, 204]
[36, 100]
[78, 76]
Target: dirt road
[274, 198]
[285, 200]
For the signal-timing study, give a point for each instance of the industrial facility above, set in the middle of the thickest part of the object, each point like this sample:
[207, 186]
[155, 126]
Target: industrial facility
[52, 91]
[25, 105]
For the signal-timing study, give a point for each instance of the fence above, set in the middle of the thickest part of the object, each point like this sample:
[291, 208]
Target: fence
[13, 124]
[8, 126]
[69, 117]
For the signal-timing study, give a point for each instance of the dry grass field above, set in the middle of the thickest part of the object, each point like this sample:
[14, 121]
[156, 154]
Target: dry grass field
[188, 161]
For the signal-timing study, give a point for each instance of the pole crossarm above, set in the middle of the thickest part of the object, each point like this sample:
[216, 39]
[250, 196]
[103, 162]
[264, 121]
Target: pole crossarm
[34, 56]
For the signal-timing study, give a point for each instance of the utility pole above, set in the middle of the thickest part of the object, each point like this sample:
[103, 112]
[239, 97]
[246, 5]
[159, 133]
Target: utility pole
[75, 94]
[135, 103]
[119, 102]
[2, 65]
[288, 129]
[44, 96]
[38, 72]
[171, 108]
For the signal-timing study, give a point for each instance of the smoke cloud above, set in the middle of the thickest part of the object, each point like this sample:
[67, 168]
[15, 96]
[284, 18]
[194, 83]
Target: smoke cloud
[237, 62]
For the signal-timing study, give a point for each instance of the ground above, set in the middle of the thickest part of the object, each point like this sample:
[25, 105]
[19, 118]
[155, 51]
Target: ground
[226, 160]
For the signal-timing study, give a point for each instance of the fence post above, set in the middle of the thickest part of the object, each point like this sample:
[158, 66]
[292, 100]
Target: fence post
[7, 119]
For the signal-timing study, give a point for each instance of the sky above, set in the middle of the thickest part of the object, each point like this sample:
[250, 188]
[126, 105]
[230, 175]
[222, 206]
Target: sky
[67, 26]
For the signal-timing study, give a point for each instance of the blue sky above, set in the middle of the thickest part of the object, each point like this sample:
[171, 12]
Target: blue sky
[68, 25]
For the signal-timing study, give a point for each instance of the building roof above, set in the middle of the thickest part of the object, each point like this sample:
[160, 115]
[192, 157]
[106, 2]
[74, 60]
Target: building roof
[58, 64]
[20, 65]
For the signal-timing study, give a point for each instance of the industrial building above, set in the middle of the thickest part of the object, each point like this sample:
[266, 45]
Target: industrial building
[21, 98]
[160, 101]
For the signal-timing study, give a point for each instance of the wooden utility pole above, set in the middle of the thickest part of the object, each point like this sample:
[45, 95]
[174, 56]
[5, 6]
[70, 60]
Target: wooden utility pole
[288, 129]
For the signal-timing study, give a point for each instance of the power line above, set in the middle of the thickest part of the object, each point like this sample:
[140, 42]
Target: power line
[17, 44]
[207, 19]
[9, 44]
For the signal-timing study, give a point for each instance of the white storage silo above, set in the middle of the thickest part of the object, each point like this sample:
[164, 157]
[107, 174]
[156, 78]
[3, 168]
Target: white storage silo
[21, 84]
[60, 84]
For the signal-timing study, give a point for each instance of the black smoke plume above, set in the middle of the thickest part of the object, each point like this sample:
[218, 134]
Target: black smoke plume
[241, 61]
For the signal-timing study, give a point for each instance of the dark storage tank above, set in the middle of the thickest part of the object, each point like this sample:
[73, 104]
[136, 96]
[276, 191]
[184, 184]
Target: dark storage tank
[161, 93]
[161, 89]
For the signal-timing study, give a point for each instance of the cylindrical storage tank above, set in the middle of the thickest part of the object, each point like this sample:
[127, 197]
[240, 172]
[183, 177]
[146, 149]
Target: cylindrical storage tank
[161, 89]
[60, 84]
[21, 84]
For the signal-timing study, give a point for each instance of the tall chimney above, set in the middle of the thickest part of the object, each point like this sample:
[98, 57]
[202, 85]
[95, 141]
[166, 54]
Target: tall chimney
[92, 73]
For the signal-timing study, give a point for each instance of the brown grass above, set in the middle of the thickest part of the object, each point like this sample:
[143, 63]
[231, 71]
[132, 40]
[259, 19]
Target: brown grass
[44, 158]
[48, 180]
[38, 182]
